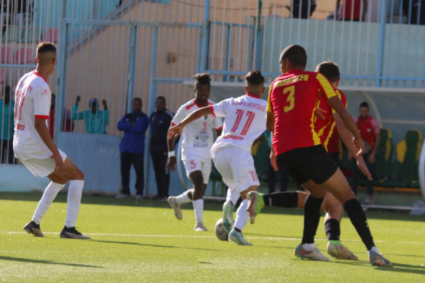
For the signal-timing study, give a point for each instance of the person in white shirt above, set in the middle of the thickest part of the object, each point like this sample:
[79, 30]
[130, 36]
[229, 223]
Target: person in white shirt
[245, 121]
[196, 145]
[35, 148]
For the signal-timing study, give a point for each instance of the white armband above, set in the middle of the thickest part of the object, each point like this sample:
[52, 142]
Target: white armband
[171, 154]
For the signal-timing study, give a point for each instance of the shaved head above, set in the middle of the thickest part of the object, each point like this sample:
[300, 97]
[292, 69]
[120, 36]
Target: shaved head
[46, 54]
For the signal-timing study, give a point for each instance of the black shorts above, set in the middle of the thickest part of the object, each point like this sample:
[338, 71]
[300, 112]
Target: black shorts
[309, 163]
[335, 157]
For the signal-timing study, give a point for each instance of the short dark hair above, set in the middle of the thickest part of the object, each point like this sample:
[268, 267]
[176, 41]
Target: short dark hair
[202, 79]
[330, 70]
[162, 98]
[296, 54]
[138, 99]
[254, 78]
[45, 47]
[364, 104]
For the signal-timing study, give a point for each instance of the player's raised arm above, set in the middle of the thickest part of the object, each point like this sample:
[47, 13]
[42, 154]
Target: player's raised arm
[176, 130]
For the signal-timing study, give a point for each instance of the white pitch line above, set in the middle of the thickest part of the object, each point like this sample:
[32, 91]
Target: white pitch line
[207, 237]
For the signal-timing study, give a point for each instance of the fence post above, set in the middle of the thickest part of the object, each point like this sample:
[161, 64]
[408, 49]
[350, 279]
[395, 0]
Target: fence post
[152, 96]
[61, 81]
[381, 46]
[204, 37]
[131, 67]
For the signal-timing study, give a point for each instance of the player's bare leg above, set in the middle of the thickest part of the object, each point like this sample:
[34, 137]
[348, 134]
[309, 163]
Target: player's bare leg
[241, 219]
[340, 188]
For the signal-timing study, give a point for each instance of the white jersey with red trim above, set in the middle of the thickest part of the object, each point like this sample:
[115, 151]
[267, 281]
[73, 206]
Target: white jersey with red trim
[245, 120]
[32, 100]
[198, 136]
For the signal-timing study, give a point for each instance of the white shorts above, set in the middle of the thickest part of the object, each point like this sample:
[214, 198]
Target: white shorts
[42, 167]
[236, 166]
[194, 163]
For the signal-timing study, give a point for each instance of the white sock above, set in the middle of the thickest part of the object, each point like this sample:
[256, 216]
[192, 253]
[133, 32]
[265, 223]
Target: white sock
[242, 215]
[198, 206]
[375, 249]
[232, 196]
[46, 200]
[74, 201]
[184, 197]
[309, 247]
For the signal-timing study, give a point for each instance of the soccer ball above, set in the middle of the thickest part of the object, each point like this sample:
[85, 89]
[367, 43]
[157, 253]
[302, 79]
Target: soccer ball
[220, 232]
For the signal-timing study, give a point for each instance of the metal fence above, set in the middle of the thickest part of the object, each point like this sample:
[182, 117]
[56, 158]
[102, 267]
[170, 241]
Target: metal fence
[116, 50]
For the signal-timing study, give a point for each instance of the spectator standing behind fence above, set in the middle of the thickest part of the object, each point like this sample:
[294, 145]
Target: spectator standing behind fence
[94, 119]
[303, 8]
[370, 133]
[5, 13]
[67, 125]
[414, 11]
[7, 106]
[160, 122]
[132, 148]
[272, 173]
[353, 10]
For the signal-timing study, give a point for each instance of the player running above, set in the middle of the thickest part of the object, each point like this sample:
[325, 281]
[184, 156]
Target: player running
[196, 146]
[34, 146]
[297, 147]
[329, 128]
[245, 121]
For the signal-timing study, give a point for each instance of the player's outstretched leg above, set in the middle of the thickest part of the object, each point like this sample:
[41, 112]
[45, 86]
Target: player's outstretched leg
[228, 207]
[334, 214]
[175, 202]
[339, 187]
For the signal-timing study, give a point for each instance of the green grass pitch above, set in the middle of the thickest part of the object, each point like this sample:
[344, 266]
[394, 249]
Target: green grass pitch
[143, 242]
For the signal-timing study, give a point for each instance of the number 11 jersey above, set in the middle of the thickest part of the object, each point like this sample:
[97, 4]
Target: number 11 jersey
[245, 121]
[293, 100]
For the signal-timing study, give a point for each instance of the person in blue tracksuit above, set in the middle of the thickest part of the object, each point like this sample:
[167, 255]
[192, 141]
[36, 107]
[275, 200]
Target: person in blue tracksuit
[132, 147]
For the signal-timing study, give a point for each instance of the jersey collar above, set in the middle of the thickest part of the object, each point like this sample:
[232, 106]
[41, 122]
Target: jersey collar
[250, 95]
[199, 106]
[39, 75]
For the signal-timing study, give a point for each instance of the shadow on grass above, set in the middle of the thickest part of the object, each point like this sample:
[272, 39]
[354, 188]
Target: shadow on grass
[18, 259]
[153, 245]
[397, 267]
[209, 206]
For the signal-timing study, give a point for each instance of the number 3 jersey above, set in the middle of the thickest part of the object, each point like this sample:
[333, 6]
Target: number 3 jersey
[198, 136]
[293, 100]
[245, 121]
[32, 100]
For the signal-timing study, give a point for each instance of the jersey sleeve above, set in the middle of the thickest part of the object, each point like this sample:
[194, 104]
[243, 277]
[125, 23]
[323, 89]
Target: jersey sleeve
[342, 98]
[269, 101]
[42, 99]
[218, 123]
[220, 109]
[180, 115]
[325, 87]
[375, 126]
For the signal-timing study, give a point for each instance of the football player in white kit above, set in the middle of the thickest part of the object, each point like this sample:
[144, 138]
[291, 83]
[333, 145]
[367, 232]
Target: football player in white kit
[35, 148]
[245, 121]
[196, 146]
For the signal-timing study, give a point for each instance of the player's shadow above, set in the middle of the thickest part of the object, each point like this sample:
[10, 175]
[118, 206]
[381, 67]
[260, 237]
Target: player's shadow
[397, 267]
[19, 259]
[152, 245]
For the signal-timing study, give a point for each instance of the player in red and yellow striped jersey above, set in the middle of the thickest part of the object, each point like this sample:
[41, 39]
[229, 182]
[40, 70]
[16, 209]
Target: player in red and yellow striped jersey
[292, 108]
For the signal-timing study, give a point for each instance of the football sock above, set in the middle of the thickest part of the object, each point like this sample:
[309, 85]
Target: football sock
[75, 192]
[333, 230]
[46, 200]
[184, 197]
[232, 196]
[311, 218]
[309, 247]
[373, 249]
[359, 220]
[198, 206]
[282, 199]
[241, 216]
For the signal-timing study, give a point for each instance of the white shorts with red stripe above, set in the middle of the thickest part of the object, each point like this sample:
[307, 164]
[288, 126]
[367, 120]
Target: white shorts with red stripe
[42, 167]
[195, 162]
[236, 166]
